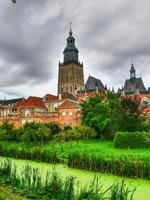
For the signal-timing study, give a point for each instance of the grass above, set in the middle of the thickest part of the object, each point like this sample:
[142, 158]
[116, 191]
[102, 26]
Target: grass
[96, 147]
[94, 155]
[7, 193]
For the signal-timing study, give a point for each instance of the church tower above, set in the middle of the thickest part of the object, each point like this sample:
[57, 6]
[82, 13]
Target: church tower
[132, 73]
[70, 76]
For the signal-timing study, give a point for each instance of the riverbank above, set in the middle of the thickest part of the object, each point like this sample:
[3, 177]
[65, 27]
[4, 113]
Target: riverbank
[94, 155]
[85, 177]
[7, 193]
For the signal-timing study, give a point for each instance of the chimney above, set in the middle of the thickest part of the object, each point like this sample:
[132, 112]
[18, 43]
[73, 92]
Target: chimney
[59, 97]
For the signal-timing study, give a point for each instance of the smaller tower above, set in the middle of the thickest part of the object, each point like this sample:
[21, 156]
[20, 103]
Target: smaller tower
[70, 52]
[132, 72]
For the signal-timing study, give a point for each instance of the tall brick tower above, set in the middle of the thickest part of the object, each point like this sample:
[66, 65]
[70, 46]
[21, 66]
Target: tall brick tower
[70, 76]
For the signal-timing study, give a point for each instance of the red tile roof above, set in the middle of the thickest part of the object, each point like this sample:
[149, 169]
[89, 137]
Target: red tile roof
[50, 97]
[32, 102]
[146, 109]
[68, 104]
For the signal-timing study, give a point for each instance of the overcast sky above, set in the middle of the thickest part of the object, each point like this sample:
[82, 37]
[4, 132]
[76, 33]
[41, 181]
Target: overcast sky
[110, 34]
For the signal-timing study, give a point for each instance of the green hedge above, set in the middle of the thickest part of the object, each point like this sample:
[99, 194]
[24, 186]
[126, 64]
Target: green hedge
[132, 140]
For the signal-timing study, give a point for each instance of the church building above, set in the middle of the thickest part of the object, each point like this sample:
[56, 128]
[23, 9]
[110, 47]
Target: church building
[70, 75]
[133, 85]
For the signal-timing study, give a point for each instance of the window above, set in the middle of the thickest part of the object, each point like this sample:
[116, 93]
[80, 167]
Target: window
[70, 113]
[63, 114]
[27, 113]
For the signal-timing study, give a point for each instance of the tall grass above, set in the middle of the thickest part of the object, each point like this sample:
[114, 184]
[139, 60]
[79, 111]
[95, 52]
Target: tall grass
[33, 186]
[35, 154]
[122, 165]
[126, 166]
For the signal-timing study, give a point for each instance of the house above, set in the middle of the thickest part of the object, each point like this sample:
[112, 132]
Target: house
[69, 113]
[31, 107]
[9, 107]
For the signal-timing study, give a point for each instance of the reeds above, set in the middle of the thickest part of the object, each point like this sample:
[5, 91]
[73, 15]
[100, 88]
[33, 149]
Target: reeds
[126, 166]
[33, 186]
[35, 154]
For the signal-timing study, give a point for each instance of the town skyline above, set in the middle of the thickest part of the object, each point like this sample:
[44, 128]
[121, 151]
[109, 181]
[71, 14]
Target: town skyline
[33, 37]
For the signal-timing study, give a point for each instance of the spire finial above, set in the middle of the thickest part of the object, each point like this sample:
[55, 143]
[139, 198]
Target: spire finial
[70, 33]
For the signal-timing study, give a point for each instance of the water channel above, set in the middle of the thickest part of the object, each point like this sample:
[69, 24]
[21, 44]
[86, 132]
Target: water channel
[85, 177]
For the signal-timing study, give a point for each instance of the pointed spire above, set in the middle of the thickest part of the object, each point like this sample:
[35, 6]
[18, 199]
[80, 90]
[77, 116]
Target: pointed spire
[132, 71]
[70, 32]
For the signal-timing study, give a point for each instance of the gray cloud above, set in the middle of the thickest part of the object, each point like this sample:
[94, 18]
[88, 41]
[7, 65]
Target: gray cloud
[109, 34]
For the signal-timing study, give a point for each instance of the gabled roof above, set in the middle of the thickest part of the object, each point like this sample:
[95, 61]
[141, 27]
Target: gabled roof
[50, 97]
[132, 85]
[32, 102]
[68, 104]
[10, 101]
[68, 96]
[93, 82]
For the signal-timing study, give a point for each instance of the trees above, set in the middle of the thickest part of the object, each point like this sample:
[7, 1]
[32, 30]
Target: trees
[43, 133]
[130, 119]
[110, 113]
[96, 113]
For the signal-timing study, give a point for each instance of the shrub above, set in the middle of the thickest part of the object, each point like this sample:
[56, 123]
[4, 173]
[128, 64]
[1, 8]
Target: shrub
[132, 140]
[80, 132]
[67, 127]
[54, 128]
[85, 132]
[146, 126]
[6, 131]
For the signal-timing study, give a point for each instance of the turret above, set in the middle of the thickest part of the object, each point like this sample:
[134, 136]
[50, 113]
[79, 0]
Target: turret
[70, 52]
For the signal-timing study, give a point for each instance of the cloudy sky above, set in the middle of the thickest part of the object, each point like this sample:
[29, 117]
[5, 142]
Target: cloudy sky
[110, 34]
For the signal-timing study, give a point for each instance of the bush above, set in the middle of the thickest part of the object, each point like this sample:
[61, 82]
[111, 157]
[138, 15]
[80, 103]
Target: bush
[146, 126]
[132, 140]
[54, 128]
[80, 132]
[85, 132]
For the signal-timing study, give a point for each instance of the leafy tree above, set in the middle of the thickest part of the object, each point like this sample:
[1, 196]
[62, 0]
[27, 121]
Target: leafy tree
[30, 131]
[6, 130]
[54, 128]
[96, 113]
[43, 133]
[130, 119]
[110, 113]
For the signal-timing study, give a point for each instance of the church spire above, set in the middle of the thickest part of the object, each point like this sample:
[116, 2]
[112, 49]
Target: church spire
[70, 32]
[71, 52]
[132, 71]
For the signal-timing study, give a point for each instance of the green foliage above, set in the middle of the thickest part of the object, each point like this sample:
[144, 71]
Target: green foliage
[33, 186]
[30, 132]
[110, 113]
[43, 133]
[146, 126]
[132, 140]
[130, 119]
[80, 132]
[100, 113]
[100, 156]
[67, 127]
[124, 165]
[6, 131]
[53, 127]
